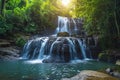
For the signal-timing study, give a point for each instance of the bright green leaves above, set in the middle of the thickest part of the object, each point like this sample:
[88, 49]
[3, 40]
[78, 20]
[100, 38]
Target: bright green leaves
[11, 4]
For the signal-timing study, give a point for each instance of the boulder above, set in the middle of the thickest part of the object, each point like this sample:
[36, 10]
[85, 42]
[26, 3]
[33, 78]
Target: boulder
[52, 60]
[91, 75]
[113, 72]
[63, 34]
[48, 60]
[118, 62]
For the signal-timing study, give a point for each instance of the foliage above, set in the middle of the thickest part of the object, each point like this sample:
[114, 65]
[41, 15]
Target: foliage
[27, 16]
[20, 41]
[101, 18]
[31, 28]
[5, 28]
[109, 55]
[103, 57]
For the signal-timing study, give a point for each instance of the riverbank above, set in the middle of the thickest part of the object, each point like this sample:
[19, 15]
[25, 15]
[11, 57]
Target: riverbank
[8, 50]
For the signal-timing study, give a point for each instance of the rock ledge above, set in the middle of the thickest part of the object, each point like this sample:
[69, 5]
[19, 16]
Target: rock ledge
[91, 75]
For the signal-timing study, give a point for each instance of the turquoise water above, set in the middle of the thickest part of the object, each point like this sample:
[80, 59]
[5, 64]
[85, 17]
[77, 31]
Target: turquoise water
[27, 70]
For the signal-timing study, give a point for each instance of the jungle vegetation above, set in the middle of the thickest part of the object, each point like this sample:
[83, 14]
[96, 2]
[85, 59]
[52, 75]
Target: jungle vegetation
[101, 17]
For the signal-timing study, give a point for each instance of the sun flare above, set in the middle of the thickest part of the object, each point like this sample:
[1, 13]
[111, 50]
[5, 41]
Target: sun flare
[65, 2]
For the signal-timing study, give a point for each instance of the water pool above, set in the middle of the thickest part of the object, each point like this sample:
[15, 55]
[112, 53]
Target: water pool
[28, 70]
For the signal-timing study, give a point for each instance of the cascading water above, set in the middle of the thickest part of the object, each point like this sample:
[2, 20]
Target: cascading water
[70, 25]
[63, 24]
[58, 49]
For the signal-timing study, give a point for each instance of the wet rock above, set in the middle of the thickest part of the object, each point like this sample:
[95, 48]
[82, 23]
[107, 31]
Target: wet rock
[4, 43]
[91, 41]
[60, 53]
[108, 70]
[66, 52]
[9, 53]
[57, 48]
[116, 74]
[113, 72]
[48, 61]
[60, 49]
[91, 75]
[63, 34]
[52, 60]
[65, 41]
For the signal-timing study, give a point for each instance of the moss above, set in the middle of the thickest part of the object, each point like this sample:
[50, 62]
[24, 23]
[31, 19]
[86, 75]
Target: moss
[103, 57]
[20, 40]
[63, 34]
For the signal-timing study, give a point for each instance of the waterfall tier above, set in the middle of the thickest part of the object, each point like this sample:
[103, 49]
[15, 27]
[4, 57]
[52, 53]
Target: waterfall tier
[70, 25]
[56, 49]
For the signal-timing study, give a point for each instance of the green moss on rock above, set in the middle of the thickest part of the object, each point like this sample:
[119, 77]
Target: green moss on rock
[63, 34]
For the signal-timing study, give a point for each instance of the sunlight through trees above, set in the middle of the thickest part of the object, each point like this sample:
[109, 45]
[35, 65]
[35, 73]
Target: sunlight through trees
[66, 2]
[101, 17]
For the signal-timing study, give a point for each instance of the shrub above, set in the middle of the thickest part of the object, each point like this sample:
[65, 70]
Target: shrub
[20, 41]
[5, 27]
[31, 28]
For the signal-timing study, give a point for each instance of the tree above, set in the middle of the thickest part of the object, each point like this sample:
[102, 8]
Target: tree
[2, 7]
[101, 19]
[115, 16]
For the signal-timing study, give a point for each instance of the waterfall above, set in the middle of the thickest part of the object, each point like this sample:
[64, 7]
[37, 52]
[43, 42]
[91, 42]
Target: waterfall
[63, 24]
[75, 24]
[70, 25]
[82, 46]
[26, 49]
[53, 48]
[58, 49]
[42, 49]
[73, 52]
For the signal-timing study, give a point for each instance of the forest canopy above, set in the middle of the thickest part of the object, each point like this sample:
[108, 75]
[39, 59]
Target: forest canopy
[101, 17]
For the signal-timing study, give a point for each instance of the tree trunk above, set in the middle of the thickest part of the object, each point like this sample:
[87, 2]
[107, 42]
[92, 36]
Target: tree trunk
[3, 7]
[115, 16]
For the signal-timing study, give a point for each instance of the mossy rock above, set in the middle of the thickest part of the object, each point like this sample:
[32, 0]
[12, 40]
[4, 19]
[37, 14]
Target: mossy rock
[103, 57]
[117, 68]
[118, 62]
[108, 56]
[63, 34]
